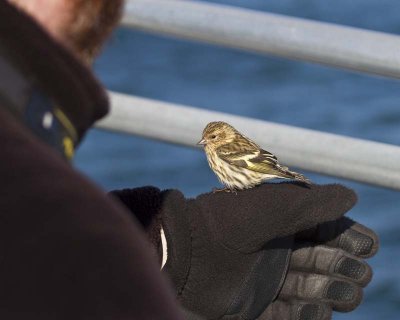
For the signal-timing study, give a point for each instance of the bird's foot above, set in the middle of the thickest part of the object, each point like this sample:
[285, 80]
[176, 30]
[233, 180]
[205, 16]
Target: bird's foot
[215, 190]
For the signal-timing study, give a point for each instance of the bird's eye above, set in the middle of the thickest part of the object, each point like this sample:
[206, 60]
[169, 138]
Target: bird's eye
[213, 136]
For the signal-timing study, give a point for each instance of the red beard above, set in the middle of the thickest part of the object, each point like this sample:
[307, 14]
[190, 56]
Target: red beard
[91, 22]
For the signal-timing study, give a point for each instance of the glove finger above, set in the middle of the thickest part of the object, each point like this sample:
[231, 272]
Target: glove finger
[341, 295]
[331, 262]
[346, 234]
[296, 310]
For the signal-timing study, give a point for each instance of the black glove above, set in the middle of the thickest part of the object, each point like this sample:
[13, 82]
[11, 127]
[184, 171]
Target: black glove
[327, 272]
[221, 259]
[220, 254]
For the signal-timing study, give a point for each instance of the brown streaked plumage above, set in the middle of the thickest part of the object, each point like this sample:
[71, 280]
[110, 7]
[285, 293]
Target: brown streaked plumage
[238, 162]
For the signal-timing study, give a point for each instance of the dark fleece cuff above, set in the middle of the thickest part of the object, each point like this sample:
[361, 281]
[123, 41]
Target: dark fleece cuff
[145, 205]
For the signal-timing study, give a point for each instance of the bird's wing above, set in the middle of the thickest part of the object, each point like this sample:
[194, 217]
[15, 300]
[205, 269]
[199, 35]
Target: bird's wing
[249, 157]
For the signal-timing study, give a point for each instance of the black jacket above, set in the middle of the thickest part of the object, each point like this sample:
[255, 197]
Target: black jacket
[67, 251]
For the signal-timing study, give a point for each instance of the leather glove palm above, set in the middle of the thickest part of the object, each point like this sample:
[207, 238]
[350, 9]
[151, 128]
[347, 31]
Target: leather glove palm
[327, 272]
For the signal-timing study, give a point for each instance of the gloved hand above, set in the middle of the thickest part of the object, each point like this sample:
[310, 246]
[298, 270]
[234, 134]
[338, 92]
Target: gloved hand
[327, 272]
[221, 257]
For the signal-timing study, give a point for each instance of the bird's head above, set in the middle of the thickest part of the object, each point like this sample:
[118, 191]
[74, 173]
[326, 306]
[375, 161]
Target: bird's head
[216, 134]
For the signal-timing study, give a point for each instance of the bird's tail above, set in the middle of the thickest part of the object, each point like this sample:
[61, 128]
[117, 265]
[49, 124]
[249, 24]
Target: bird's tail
[301, 178]
[293, 175]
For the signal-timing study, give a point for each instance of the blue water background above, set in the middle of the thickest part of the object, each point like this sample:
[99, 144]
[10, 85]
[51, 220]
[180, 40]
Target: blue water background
[263, 87]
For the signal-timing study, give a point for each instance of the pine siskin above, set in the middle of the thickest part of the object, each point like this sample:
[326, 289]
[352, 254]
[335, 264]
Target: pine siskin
[238, 162]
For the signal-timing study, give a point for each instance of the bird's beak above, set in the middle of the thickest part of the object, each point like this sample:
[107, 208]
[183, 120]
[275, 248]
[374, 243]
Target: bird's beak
[202, 142]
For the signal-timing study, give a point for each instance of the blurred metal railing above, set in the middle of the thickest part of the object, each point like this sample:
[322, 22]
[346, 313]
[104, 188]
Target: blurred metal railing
[351, 48]
[325, 43]
[355, 159]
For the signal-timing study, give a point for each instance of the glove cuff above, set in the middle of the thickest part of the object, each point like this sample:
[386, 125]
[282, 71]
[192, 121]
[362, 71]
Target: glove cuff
[145, 204]
[162, 211]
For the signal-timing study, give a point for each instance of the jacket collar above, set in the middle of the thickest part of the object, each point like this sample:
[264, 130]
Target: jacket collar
[51, 70]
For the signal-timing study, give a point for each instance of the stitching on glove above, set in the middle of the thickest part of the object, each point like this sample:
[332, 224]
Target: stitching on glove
[180, 292]
[182, 289]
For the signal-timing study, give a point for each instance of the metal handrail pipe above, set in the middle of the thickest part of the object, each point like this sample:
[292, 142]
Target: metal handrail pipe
[266, 33]
[330, 154]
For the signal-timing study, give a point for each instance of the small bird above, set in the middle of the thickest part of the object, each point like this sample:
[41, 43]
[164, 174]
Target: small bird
[238, 162]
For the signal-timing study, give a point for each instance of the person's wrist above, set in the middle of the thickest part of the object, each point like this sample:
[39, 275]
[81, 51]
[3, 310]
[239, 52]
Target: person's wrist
[144, 204]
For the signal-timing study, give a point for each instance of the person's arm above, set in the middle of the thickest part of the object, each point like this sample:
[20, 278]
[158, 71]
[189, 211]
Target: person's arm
[67, 250]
